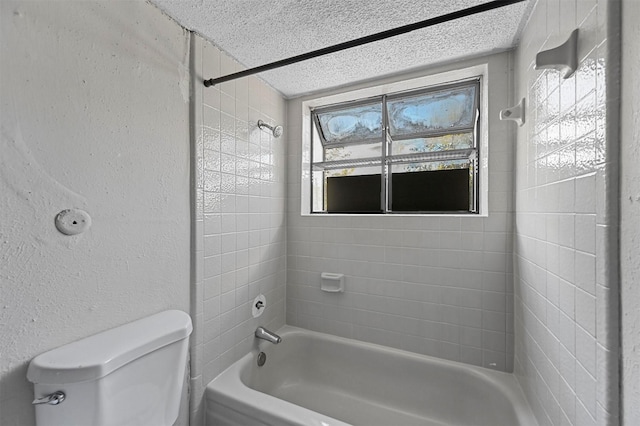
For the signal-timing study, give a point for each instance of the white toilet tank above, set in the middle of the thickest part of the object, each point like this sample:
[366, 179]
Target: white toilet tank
[129, 375]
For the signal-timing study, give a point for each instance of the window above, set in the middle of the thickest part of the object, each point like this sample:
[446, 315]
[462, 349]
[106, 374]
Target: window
[406, 152]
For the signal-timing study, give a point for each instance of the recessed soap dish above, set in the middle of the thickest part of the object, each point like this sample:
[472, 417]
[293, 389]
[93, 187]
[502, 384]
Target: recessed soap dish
[332, 283]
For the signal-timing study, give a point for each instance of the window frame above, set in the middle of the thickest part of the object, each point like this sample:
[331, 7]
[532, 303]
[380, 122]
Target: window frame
[408, 87]
[387, 159]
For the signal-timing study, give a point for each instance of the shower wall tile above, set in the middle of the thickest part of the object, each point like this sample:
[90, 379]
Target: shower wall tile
[561, 261]
[440, 286]
[239, 234]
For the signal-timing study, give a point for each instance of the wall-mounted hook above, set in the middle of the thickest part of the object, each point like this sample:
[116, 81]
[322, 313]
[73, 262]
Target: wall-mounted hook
[563, 58]
[515, 113]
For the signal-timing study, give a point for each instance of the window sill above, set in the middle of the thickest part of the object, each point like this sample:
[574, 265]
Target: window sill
[465, 215]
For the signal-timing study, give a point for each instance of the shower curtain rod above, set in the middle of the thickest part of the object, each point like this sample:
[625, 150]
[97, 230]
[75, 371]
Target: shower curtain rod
[364, 40]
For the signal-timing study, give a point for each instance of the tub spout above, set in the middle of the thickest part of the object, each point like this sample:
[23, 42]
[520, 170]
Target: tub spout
[263, 333]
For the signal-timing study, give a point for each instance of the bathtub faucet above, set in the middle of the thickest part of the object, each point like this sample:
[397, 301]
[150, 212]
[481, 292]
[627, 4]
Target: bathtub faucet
[263, 333]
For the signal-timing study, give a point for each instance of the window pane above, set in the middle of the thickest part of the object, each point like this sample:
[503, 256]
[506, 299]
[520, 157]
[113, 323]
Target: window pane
[430, 187]
[317, 191]
[430, 166]
[355, 190]
[353, 124]
[441, 143]
[353, 171]
[433, 111]
[350, 152]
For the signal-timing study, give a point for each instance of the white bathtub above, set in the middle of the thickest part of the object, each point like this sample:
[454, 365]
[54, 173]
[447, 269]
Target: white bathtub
[317, 379]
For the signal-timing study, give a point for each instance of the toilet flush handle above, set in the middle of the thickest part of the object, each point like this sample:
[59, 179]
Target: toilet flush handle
[51, 399]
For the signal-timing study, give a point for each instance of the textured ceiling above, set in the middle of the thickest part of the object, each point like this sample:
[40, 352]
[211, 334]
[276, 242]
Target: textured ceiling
[256, 32]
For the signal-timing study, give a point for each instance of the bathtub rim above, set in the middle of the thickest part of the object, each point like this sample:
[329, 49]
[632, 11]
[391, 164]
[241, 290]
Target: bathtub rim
[230, 391]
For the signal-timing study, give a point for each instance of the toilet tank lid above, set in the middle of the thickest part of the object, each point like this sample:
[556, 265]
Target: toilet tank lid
[98, 355]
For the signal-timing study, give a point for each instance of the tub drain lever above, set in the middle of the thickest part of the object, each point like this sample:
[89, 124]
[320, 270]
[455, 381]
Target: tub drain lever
[51, 399]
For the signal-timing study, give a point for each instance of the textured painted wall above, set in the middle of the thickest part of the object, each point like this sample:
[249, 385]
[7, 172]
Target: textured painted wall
[94, 101]
[434, 285]
[565, 252]
[240, 233]
[630, 212]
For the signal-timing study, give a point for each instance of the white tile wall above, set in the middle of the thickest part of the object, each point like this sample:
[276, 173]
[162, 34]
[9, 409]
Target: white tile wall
[439, 286]
[239, 230]
[564, 352]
